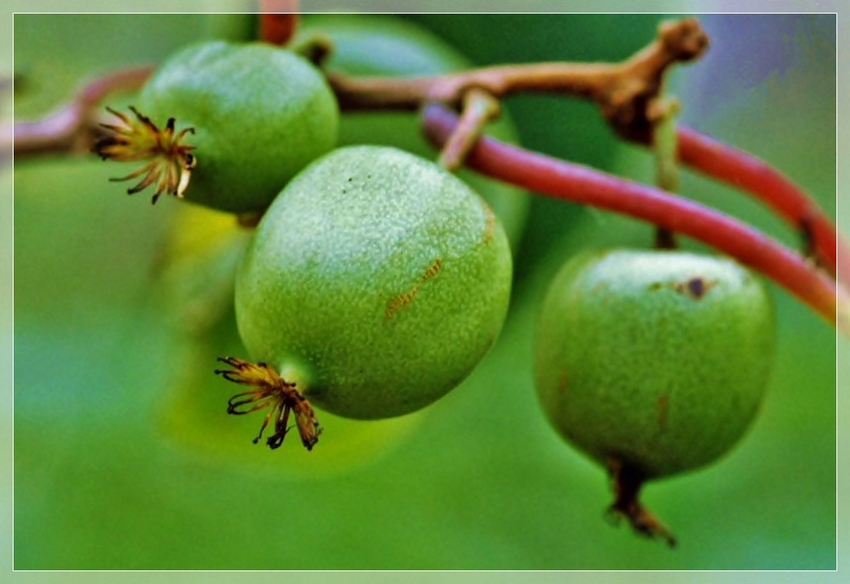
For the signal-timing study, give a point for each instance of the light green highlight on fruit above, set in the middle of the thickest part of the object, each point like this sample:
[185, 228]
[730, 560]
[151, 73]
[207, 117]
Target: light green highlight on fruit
[378, 276]
[657, 358]
[260, 114]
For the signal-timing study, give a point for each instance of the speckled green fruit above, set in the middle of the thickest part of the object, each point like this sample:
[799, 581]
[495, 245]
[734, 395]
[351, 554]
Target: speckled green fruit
[387, 45]
[657, 359]
[376, 282]
[260, 114]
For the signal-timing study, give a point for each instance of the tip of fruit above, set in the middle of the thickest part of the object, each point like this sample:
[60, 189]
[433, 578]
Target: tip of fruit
[274, 392]
[169, 162]
[627, 482]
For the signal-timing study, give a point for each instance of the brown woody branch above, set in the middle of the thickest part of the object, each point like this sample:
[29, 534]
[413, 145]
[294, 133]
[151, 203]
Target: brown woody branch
[623, 91]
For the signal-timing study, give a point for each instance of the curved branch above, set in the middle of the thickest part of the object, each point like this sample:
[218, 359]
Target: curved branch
[745, 171]
[73, 128]
[549, 176]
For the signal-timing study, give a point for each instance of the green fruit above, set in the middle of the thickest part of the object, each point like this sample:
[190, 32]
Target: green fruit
[655, 359]
[375, 282]
[386, 45]
[259, 113]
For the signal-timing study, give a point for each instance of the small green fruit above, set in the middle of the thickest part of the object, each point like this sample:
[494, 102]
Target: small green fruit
[653, 362]
[375, 283]
[257, 115]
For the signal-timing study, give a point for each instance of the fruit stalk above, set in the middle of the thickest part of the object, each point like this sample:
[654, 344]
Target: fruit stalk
[563, 180]
[627, 482]
[664, 142]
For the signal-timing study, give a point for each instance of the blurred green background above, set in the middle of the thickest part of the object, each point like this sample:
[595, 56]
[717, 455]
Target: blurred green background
[122, 461]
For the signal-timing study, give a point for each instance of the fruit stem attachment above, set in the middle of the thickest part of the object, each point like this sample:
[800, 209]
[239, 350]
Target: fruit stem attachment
[663, 111]
[626, 482]
[272, 391]
[316, 48]
[479, 108]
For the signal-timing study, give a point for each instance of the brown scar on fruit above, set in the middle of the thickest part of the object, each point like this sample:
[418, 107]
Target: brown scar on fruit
[564, 390]
[398, 302]
[562, 383]
[626, 482]
[663, 406]
[490, 221]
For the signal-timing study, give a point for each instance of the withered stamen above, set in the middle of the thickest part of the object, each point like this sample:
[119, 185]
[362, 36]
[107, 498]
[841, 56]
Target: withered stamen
[170, 161]
[272, 391]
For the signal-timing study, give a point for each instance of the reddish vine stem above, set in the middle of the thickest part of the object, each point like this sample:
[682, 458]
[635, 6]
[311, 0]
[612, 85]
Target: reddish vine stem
[278, 20]
[623, 91]
[563, 180]
[74, 127]
[745, 171]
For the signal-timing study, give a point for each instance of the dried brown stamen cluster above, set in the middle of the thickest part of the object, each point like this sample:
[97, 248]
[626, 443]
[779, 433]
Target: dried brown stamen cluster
[170, 161]
[272, 391]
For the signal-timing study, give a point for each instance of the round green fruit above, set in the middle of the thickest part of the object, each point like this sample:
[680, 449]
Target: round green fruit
[258, 113]
[375, 283]
[654, 360]
[385, 45]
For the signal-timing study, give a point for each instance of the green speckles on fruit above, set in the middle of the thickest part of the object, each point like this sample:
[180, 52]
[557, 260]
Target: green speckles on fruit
[260, 114]
[369, 268]
[667, 353]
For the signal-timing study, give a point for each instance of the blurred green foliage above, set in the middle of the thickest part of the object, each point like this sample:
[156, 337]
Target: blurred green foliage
[106, 475]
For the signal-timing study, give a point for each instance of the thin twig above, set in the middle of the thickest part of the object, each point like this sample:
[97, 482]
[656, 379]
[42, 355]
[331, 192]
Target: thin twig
[664, 143]
[549, 176]
[73, 128]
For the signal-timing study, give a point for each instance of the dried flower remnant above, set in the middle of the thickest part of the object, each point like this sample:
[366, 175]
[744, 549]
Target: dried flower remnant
[626, 484]
[170, 160]
[274, 392]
